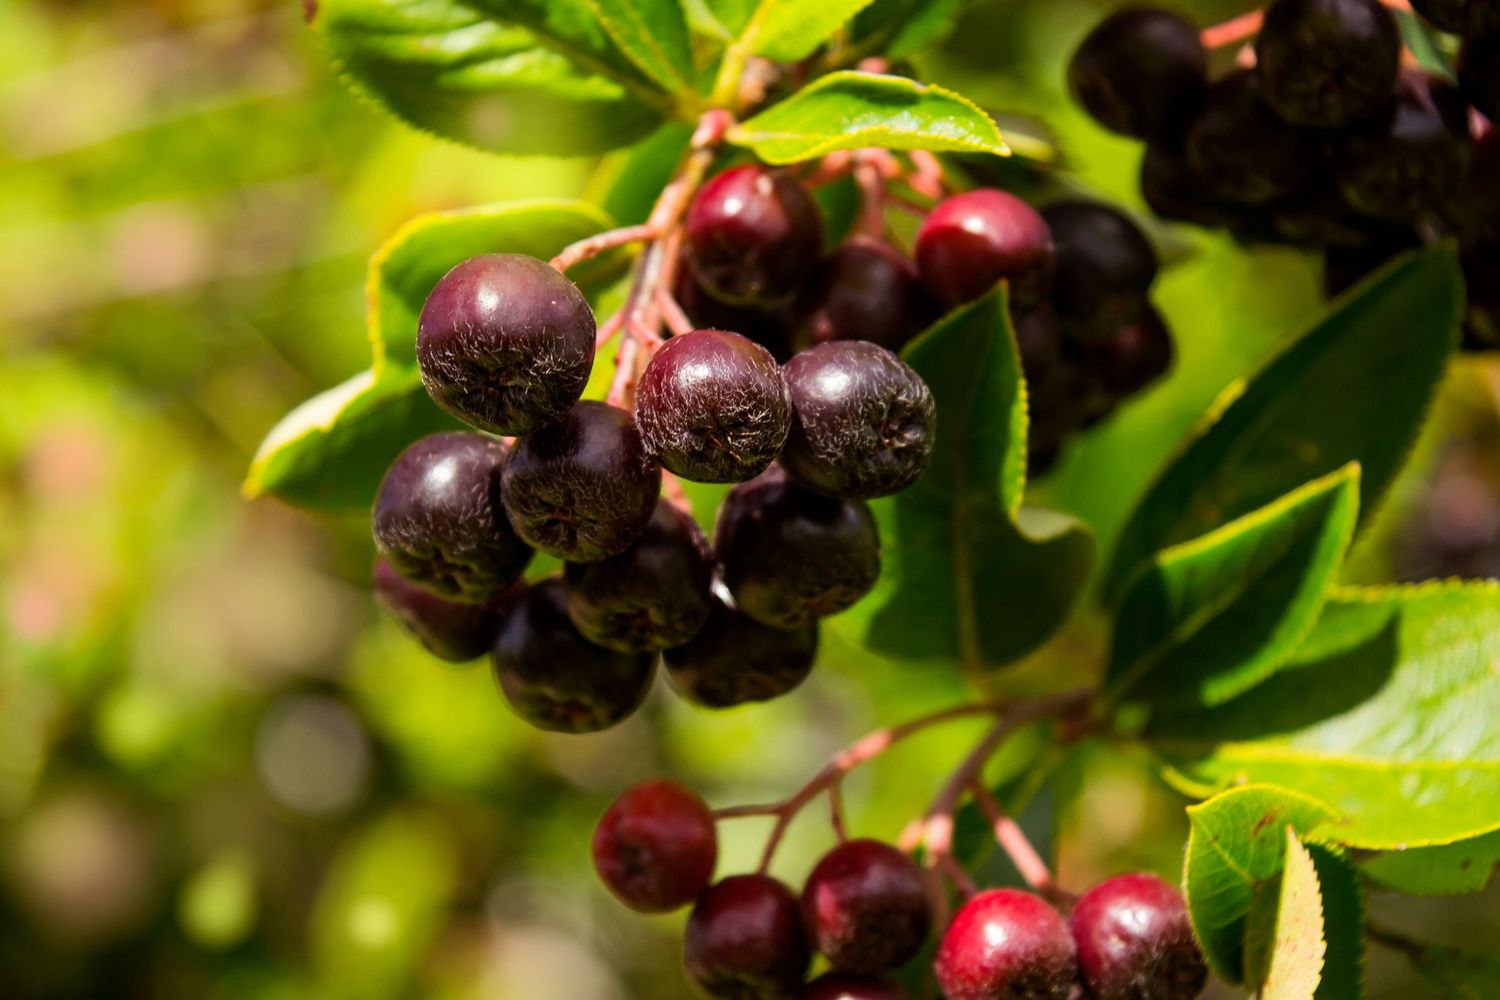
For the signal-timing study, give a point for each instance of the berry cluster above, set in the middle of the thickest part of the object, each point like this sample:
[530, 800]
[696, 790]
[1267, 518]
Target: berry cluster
[1322, 136]
[867, 909]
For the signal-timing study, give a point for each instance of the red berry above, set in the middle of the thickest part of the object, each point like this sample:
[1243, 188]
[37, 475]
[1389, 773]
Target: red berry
[1135, 941]
[745, 940]
[842, 986]
[656, 846]
[973, 240]
[1005, 944]
[752, 235]
[866, 907]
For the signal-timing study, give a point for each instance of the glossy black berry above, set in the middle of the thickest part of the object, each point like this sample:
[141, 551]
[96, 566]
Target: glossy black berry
[1328, 63]
[866, 907]
[863, 421]
[584, 488]
[734, 659]
[656, 846]
[1133, 358]
[1135, 942]
[1004, 944]
[439, 521]
[653, 595]
[713, 407]
[772, 327]
[557, 680]
[753, 234]
[792, 556]
[971, 241]
[1479, 74]
[1141, 72]
[844, 986]
[1412, 157]
[865, 290]
[1241, 151]
[506, 343]
[1462, 17]
[447, 629]
[745, 940]
[1105, 266]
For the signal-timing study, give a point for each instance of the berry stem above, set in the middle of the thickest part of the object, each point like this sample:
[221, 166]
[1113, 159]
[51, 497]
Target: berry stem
[671, 311]
[608, 329]
[1014, 842]
[1233, 31]
[927, 177]
[587, 249]
[867, 175]
[671, 488]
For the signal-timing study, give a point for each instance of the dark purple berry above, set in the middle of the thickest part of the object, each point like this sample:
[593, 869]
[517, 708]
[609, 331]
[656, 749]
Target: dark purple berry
[713, 407]
[971, 241]
[447, 629]
[1471, 18]
[1005, 944]
[439, 521]
[1479, 74]
[1039, 341]
[1105, 266]
[1241, 151]
[866, 907]
[1328, 63]
[735, 659]
[745, 940]
[771, 327]
[584, 488]
[655, 594]
[843, 986]
[506, 343]
[556, 679]
[1133, 358]
[1412, 158]
[862, 423]
[656, 846]
[1134, 941]
[865, 290]
[753, 234]
[792, 556]
[1175, 191]
[1320, 217]
[1141, 72]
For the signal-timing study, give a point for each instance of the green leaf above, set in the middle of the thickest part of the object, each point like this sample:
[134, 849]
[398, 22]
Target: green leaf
[1296, 953]
[851, 110]
[899, 29]
[1354, 387]
[1236, 846]
[792, 30]
[654, 35]
[571, 28]
[1462, 974]
[1423, 45]
[628, 184]
[444, 68]
[1208, 619]
[969, 575]
[1343, 924]
[1386, 713]
[1447, 870]
[730, 16]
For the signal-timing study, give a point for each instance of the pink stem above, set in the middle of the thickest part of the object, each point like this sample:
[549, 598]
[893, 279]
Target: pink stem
[608, 329]
[671, 311]
[1232, 31]
[927, 174]
[1014, 842]
[592, 247]
[872, 198]
[671, 488]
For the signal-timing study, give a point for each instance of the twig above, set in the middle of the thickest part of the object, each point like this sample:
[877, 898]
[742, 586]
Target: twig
[1014, 842]
[587, 249]
[867, 175]
[608, 329]
[1233, 31]
[671, 311]
[927, 174]
[671, 488]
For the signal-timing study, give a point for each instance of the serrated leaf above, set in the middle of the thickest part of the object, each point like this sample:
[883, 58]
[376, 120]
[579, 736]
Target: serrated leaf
[1209, 619]
[792, 30]
[852, 110]
[1354, 387]
[1448, 870]
[969, 575]
[654, 35]
[1296, 953]
[570, 27]
[1462, 974]
[899, 29]
[1386, 713]
[1343, 924]
[445, 68]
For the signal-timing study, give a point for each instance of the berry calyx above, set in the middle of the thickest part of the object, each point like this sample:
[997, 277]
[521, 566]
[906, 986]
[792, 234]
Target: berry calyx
[745, 940]
[656, 846]
[1135, 941]
[1328, 63]
[505, 343]
[1105, 266]
[734, 659]
[1005, 944]
[971, 241]
[752, 235]
[447, 629]
[866, 907]
[1141, 72]
[842, 986]
[865, 290]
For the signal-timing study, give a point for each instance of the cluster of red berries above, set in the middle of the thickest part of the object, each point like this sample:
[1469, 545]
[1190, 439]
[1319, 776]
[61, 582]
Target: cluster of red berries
[1326, 142]
[867, 907]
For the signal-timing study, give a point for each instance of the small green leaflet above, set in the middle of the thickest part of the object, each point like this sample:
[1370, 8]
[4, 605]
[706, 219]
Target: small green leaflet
[1296, 955]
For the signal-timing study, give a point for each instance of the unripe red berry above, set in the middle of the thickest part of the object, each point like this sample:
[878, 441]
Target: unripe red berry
[973, 240]
[752, 235]
[656, 846]
[1005, 944]
[1135, 942]
[745, 940]
[866, 906]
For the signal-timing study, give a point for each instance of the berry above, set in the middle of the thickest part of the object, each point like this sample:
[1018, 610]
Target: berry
[770, 327]
[713, 407]
[1174, 191]
[506, 343]
[1479, 74]
[1328, 63]
[1141, 72]
[1005, 944]
[656, 846]
[745, 940]
[1105, 266]
[1135, 942]
[734, 659]
[752, 235]
[653, 595]
[842, 986]
[556, 679]
[1320, 217]
[1472, 18]
[1135, 357]
[584, 488]
[862, 423]
[1241, 151]
[1039, 341]
[447, 629]
[1413, 158]
[865, 290]
[439, 522]
[866, 907]
[791, 556]
[973, 240]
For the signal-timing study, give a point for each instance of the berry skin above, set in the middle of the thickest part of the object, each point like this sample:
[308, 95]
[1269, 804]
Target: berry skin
[769, 327]
[791, 556]
[653, 595]
[1039, 341]
[1174, 191]
[583, 489]
[713, 407]
[752, 235]
[745, 940]
[1412, 158]
[862, 424]
[734, 659]
[973, 240]
[1135, 357]
[865, 290]
[1328, 63]
[556, 679]
[841, 986]
[656, 846]
[1142, 73]
[1005, 944]
[1479, 74]
[866, 907]
[506, 343]
[1105, 266]
[439, 522]
[1471, 18]
[447, 629]
[1135, 942]
[1241, 151]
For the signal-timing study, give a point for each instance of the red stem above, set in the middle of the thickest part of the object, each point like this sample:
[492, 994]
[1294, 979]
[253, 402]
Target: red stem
[587, 249]
[1014, 842]
[1233, 31]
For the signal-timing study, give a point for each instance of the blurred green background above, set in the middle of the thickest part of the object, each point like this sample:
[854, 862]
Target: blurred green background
[222, 773]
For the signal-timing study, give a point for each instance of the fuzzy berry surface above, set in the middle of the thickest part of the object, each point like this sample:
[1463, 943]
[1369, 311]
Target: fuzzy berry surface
[1135, 942]
[1005, 944]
